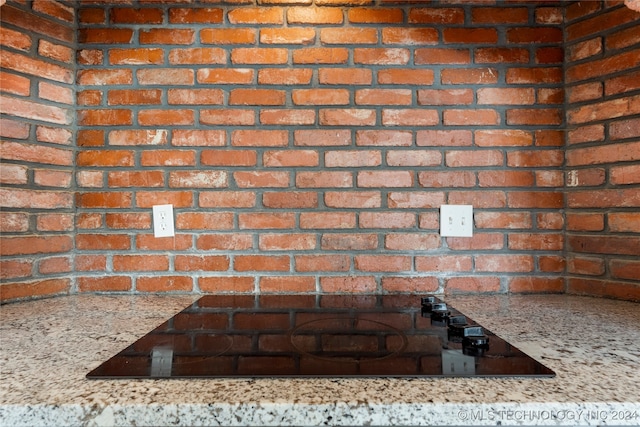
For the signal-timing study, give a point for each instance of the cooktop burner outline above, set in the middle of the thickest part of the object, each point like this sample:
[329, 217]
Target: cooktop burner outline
[319, 336]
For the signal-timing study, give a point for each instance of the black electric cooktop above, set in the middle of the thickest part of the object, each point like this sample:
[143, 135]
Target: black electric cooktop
[319, 336]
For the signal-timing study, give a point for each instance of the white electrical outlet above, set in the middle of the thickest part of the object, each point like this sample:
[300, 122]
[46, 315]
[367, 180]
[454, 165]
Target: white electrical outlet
[456, 220]
[163, 221]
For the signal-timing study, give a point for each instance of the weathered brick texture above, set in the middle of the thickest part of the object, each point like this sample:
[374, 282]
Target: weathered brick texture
[307, 146]
[603, 152]
[37, 105]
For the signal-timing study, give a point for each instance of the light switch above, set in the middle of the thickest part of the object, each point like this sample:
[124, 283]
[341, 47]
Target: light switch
[456, 220]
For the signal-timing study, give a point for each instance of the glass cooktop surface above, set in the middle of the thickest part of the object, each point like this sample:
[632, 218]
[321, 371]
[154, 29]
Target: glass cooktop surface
[319, 336]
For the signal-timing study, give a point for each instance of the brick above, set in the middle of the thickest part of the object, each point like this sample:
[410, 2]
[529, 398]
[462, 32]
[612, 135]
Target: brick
[134, 97]
[471, 285]
[35, 67]
[506, 96]
[102, 158]
[410, 36]
[287, 117]
[166, 36]
[609, 153]
[585, 177]
[350, 199]
[602, 22]
[350, 284]
[227, 199]
[624, 269]
[13, 174]
[292, 158]
[226, 76]
[105, 35]
[164, 284]
[320, 55]
[38, 24]
[443, 263]
[536, 242]
[533, 116]
[22, 290]
[585, 222]
[198, 179]
[445, 96]
[327, 220]
[179, 199]
[372, 15]
[624, 83]
[624, 222]
[615, 63]
[133, 137]
[36, 153]
[14, 129]
[534, 75]
[226, 284]
[321, 16]
[504, 263]
[227, 117]
[534, 35]
[55, 93]
[549, 55]
[138, 56]
[444, 138]
[266, 220]
[262, 179]
[31, 245]
[196, 138]
[162, 117]
[349, 242]
[604, 198]
[447, 179]
[229, 158]
[257, 15]
[504, 15]
[90, 263]
[535, 158]
[124, 221]
[52, 178]
[122, 15]
[585, 92]
[227, 242]
[35, 111]
[259, 55]
[55, 51]
[89, 15]
[505, 179]
[340, 159]
[135, 179]
[320, 96]
[12, 269]
[506, 138]
[479, 199]
[54, 9]
[301, 36]
[290, 199]
[105, 77]
[185, 15]
[104, 200]
[584, 49]
[470, 117]
[406, 76]
[280, 76]
[89, 98]
[104, 117]
[411, 200]
[382, 263]
[14, 222]
[625, 174]
[436, 16]
[232, 36]
[535, 199]
[287, 284]
[384, 138]
[259, 138]
[165, 76]
[383, 97]
[458, 76]
[261, 263]
[197, 56]
[347, 117]
[168, 158]
[195, 96]
[537, 285]
[411, 241]
[623, 129]
[322, 137]
[257, 97]
[428, 56]
[204, 221]
[287, 242]
[385, 179]
[381, 56]
[13, 83]
[201, 263]
[409, 117]
[604, 244]
[414, 158]
[15, 39]
[103, 284]
[470, 35]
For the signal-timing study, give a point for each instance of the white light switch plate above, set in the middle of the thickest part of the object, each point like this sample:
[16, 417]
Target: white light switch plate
[456, 220]
[163, 221]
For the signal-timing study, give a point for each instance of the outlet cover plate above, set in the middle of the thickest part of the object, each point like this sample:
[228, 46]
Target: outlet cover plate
[163, 221]
[456, 220]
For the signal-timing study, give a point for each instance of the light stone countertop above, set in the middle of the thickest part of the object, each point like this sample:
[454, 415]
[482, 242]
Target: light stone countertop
[48, 346]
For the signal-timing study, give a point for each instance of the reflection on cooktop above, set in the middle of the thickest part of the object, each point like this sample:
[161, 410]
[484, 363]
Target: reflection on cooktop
[319, 336]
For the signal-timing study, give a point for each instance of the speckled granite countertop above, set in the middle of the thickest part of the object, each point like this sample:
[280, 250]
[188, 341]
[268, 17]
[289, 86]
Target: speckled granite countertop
[48, 346]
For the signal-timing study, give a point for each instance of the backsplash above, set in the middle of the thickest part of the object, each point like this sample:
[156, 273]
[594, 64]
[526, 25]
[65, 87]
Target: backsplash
[307, 147]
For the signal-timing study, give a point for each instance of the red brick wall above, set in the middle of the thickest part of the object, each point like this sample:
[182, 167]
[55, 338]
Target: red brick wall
[37, 101]
[309, 149]
[603, 149]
